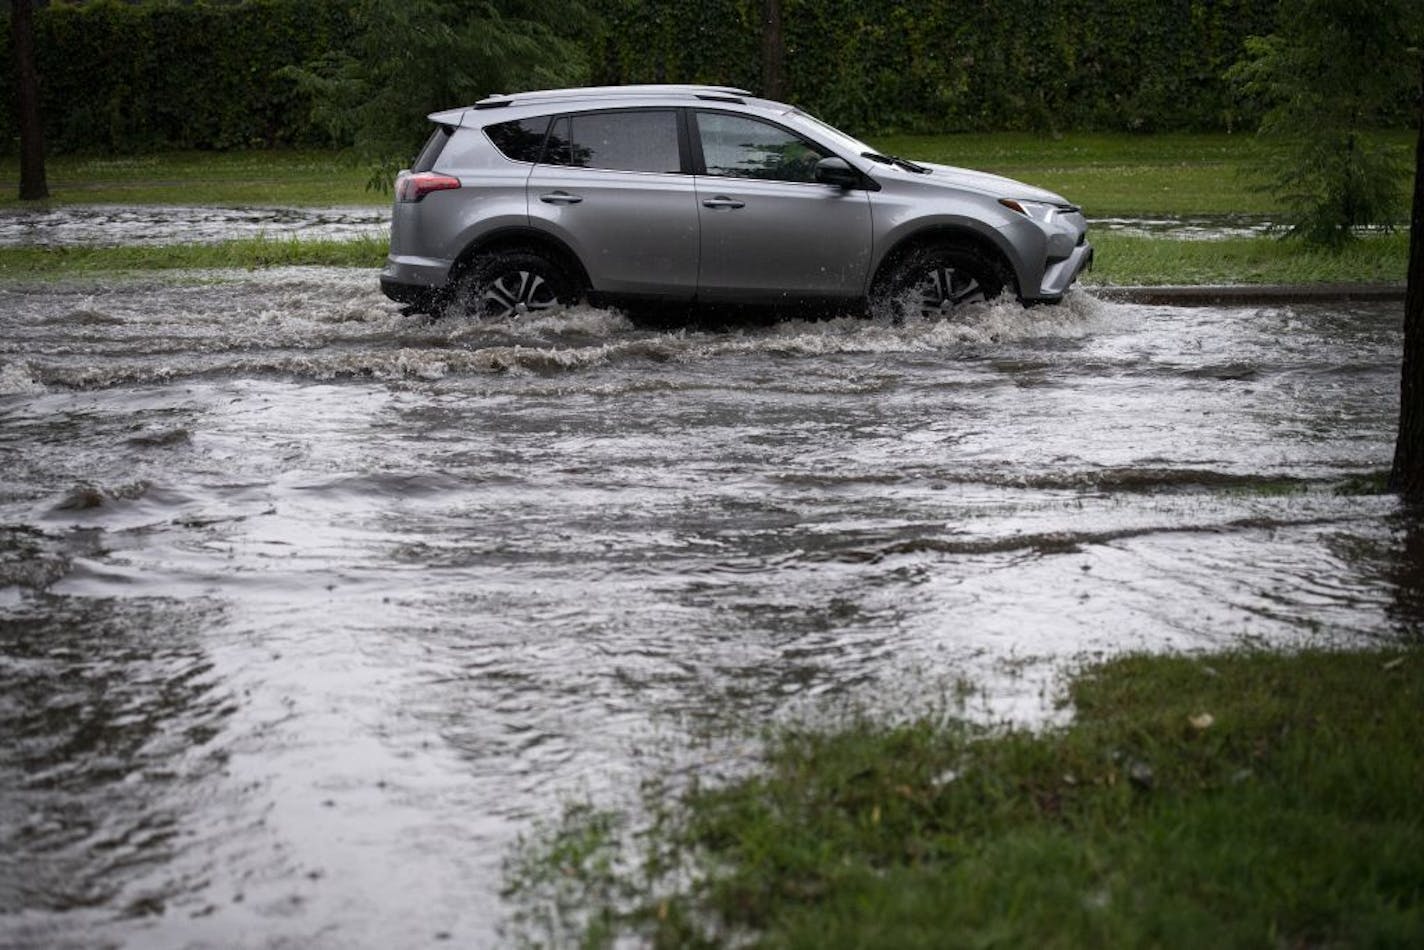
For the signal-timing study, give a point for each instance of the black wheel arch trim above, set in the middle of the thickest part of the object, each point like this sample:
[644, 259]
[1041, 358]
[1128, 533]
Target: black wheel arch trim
[530, 239]
[976, 240]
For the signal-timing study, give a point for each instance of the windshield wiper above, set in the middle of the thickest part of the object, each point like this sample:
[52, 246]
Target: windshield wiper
[904, 163]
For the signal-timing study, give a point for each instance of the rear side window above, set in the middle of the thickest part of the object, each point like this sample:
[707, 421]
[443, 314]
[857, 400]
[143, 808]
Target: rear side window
[434, 145]
[641, 141]
[521, 140]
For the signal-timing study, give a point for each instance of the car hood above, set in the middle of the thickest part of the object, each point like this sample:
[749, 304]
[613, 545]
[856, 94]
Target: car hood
[995, 186]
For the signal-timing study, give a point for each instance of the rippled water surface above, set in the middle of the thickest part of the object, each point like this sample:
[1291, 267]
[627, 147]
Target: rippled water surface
[112, 225]
[309, 608]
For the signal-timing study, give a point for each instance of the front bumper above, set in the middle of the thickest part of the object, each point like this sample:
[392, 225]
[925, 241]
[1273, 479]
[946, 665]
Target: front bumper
[1058, 276]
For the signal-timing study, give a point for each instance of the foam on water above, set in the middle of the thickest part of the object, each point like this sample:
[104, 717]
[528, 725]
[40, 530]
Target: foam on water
[332, 324]
[157, 225]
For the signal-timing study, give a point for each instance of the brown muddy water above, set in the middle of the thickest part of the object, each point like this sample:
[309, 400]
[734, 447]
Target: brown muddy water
[308, 609]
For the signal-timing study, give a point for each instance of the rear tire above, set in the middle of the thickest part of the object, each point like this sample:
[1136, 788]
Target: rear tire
[509, 284]
[935, 281]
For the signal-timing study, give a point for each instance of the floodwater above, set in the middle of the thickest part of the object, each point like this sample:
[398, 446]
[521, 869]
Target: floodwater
[309, 608]
[156, 225]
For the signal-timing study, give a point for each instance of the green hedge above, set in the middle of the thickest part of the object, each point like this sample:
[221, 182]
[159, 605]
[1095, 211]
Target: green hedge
[131, 77]
[126, 77]
[956, 65]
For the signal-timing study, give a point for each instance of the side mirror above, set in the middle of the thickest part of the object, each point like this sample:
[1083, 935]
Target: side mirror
[837, 171]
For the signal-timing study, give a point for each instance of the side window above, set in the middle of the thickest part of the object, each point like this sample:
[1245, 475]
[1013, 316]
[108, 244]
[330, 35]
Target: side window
[738, 147]
[644, 141]
[520, 140]
[561, 144]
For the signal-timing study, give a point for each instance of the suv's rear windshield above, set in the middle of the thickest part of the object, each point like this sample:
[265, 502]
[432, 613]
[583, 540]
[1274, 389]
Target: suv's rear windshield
[433, 146]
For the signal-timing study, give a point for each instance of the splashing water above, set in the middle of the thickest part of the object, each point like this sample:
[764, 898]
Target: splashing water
[307, 608]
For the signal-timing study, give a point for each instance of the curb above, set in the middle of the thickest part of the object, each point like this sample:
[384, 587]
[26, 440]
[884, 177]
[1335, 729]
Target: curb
[1248, 294]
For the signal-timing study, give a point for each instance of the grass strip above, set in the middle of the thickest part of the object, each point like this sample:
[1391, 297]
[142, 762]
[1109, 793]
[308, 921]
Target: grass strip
[1124, 259]
[1240, 800]
[275, 178]
[1121, 175]
[250, 253]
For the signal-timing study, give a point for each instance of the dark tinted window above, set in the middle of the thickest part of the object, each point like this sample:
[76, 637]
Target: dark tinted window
[431, 151]
[624, 141]
[738, 147]
[521, 140]
[561, 147]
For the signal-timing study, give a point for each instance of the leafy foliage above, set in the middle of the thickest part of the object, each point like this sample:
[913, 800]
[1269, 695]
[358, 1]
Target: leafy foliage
[123, 77]
[414, 57]
[954, 65]
[134, 77]
[1333, 71]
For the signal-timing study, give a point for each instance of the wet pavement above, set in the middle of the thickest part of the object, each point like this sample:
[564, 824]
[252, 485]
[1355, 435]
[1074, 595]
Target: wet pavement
[308, 609]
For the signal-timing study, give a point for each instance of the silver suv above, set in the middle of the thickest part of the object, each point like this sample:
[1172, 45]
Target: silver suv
[705, 194]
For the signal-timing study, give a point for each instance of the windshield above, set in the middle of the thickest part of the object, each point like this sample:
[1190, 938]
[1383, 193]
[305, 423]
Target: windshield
[830, 134]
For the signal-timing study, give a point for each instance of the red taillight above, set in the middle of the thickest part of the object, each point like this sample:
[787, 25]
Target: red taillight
[413, 187]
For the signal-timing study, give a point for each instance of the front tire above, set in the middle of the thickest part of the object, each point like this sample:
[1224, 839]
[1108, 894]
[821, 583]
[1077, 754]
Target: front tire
[506, 285]
[937, 280]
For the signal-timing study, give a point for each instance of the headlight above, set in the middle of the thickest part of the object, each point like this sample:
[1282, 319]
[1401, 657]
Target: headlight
[1038, 210]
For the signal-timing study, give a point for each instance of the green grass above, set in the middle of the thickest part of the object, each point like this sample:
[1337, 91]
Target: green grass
[1123, 260]
[248, 253]
[1245, 800]
[1121, 175]
[225, 179]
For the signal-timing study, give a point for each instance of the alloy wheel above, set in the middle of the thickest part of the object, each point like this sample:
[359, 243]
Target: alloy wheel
[516, 292]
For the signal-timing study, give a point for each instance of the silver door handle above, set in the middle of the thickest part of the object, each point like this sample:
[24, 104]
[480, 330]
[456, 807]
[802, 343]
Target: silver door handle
[560, 198]
[722, 201]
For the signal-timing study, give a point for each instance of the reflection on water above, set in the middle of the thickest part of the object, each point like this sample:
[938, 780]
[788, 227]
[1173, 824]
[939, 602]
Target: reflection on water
[310, 607]
[109, 709]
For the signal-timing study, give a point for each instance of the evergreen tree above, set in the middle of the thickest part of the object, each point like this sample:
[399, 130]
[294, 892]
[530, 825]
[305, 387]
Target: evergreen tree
[1333, 71]
[414, 57]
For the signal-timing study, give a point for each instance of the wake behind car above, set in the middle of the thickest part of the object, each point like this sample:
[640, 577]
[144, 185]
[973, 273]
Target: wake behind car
[631, 195]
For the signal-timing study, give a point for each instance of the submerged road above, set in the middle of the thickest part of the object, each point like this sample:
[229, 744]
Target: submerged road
[308, 609]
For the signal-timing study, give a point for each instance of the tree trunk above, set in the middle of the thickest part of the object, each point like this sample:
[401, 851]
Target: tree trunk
[1407, 475]
[27, 98]
[773, 51]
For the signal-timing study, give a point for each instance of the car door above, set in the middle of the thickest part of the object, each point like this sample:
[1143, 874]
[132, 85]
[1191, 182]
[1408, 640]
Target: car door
[769, 229]
[612, 187]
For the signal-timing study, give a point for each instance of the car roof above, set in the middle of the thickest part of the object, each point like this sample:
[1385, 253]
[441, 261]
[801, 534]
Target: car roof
[662, 92]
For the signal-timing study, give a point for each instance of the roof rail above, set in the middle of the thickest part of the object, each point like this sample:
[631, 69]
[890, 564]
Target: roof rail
[605, 92]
